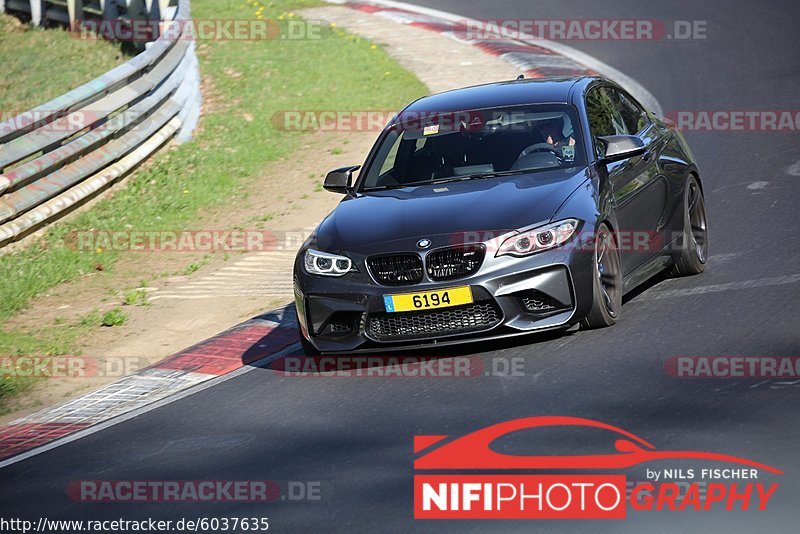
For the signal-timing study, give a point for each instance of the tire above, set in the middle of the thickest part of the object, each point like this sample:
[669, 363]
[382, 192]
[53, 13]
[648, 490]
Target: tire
[694, 245]
[606, 281]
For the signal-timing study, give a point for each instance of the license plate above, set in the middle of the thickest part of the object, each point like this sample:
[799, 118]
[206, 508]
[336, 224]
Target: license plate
[428, 300]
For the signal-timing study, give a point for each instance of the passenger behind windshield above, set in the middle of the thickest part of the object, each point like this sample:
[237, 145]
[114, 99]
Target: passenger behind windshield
[475, 144]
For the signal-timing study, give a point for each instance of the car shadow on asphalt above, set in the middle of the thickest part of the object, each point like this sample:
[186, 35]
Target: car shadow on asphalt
[646, 286]
[280, 350]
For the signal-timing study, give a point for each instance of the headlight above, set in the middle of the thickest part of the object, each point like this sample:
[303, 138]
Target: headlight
[538, 239]
[325, 264]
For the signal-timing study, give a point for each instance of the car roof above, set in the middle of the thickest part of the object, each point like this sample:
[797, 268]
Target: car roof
[501, 94]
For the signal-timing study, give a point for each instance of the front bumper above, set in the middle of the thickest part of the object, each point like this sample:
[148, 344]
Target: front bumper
[512, 296]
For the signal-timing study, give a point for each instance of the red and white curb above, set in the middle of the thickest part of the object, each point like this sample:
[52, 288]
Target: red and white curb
[535, 56]
[256, 341]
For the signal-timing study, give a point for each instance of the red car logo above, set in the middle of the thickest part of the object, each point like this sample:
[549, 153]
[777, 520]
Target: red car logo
[474, 451]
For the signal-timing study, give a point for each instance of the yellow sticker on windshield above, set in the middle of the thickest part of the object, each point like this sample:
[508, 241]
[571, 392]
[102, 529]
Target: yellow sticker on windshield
[433, 129]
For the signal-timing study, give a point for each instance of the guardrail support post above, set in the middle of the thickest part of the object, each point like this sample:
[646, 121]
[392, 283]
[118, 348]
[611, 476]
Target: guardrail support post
[190, 114]
[110, 11]
[37, 12]
[75, 9]
[153, 9]
[136, 9]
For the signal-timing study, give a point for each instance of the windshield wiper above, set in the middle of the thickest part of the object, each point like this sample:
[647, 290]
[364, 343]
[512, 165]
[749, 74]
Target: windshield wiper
[483, 175]
[478, 176]
[385, 187]
[418, 184]
[449, 180]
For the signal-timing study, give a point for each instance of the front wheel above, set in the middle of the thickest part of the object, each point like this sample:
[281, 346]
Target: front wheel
[694, 246]
[607, 281]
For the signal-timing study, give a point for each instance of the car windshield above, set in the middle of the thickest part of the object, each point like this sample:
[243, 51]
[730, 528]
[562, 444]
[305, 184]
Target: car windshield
[442, 147]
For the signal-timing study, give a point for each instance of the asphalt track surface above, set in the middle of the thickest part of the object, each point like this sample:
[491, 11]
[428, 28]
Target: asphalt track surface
[355, 435]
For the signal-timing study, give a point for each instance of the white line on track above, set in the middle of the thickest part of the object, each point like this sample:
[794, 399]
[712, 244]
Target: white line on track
[716, 288]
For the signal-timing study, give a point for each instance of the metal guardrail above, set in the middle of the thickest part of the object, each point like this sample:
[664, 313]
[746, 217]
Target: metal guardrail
[64, 152]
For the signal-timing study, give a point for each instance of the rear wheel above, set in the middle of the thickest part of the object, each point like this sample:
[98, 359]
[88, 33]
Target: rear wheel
[607, 281]
[694, 248]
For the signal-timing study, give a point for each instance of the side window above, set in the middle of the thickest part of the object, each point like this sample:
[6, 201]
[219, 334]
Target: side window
[599, 110]
[604, 117]
[633, 116]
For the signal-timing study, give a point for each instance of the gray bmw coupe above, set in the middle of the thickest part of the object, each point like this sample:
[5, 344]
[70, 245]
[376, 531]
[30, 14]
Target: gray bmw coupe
[500, 210]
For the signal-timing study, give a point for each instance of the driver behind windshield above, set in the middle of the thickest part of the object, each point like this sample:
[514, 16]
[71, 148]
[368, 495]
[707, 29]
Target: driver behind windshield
[552, 131]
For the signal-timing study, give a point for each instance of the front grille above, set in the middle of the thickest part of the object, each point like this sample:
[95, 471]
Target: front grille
[454, 262]
[397, 269]
[451, 321]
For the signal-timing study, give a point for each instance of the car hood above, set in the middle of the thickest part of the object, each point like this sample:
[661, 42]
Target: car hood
[375, 221]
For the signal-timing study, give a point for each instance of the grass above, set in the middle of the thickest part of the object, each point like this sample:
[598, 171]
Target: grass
[114, 317]
[135, 297]
[251, 81]
[193, 267]
[47, 341]
[24, 46]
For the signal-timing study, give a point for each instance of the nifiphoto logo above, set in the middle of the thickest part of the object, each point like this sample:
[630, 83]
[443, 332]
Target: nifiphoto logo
[567, 491]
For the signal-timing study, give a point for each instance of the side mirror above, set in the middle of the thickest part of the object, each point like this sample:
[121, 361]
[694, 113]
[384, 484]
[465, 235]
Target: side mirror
[339, 181]
[619, 147]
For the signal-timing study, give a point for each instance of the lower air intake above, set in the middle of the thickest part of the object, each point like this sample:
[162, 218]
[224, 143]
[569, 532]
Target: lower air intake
[475, 317]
